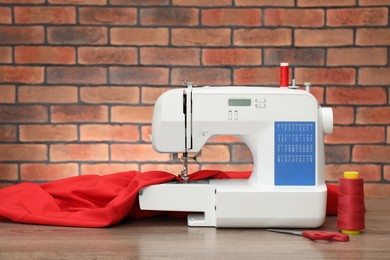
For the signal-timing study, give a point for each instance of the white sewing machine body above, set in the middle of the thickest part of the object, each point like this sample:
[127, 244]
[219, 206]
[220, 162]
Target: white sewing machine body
[284, 130]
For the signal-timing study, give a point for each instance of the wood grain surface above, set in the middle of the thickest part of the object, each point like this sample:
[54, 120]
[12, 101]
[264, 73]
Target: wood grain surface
[169, 238]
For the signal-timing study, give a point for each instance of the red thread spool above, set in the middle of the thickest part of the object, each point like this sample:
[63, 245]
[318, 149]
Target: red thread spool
[351, 204]
[283, 74]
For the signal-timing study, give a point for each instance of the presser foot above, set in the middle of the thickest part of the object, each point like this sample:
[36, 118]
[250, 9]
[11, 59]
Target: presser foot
[184, 176]
[184, 173]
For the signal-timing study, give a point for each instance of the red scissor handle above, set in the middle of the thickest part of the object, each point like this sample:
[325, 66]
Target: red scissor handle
[325, 235]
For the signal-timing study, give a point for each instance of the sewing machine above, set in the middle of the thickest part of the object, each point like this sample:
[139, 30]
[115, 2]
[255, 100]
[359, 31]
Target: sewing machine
[284, 130]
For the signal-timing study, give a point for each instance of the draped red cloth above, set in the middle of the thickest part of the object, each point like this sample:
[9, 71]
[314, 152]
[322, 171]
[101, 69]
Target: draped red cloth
[97, 201]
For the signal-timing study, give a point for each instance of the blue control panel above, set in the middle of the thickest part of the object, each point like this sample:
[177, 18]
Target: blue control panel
[295, 153]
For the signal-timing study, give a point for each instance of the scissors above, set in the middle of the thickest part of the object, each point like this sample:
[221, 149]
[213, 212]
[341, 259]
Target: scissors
[315, 235]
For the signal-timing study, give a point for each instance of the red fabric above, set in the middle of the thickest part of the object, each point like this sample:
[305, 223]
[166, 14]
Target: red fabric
[89, 200]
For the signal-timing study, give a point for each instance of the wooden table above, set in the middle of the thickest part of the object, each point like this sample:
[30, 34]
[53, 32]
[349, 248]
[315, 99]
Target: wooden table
[167, 238]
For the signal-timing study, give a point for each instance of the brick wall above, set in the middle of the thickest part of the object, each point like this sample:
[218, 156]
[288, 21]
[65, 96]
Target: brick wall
[78, 78]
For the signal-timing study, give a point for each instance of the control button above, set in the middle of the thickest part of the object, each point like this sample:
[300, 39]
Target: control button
[261, 105]
[235, 115]
[260, 100]
[230, 115]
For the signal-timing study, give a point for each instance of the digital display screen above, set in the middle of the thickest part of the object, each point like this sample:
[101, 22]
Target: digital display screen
[239, 102]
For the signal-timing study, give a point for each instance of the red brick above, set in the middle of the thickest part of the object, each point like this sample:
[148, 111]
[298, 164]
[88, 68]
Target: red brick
[231, 56]
[373, 115]
[107, 168]
[45, 94]
[21, 35]
[264, 3]
[131, 114]
[343, 115]
[7, 133]
[386, 173]
[169, 16]
[215, 153]
[47, 133]
[374, 76]
[294, 17]
[357, 56]
[228, 167]
[256, 76]
[371, 153]
[107, 55]
[8, 172]
[388, 136]
[241, 153]
[201, 37]
[139, 36]
[337, 154]
[23, 152]
[371, 37]
[225, 139]
[109, 94]
[150, 94]
[75, 35]
[79, 2]
[356, 134]
[136, 152]
[231, 16]
[8, 94]
[48, 172]
[100, 15]
[22, 1]
[117, 133]
[5, 54]
[78, 152]
[21, 113]
[45, 55]
[170, 56]
[262, 37]
[6, 184]
[201, 76]
[139, 2]
[45, 14]
[79, 113]
[146, 131]
[323, 37]
[202, 2]
[369, 172]
[21, 74]
[139, 75]
[171, 168]
[376, 190]
[370, 95]
[76, 75]
[357, 17]
[5, 15]
[330, 3]
[305, 56]
[345, 76]
[374, 2]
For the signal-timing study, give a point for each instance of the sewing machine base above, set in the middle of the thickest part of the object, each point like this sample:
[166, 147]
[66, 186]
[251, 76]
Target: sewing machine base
[237, 204]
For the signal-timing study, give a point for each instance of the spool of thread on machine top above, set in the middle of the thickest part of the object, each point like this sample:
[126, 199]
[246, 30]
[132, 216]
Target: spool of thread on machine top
[351, 204]
[284, 75]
